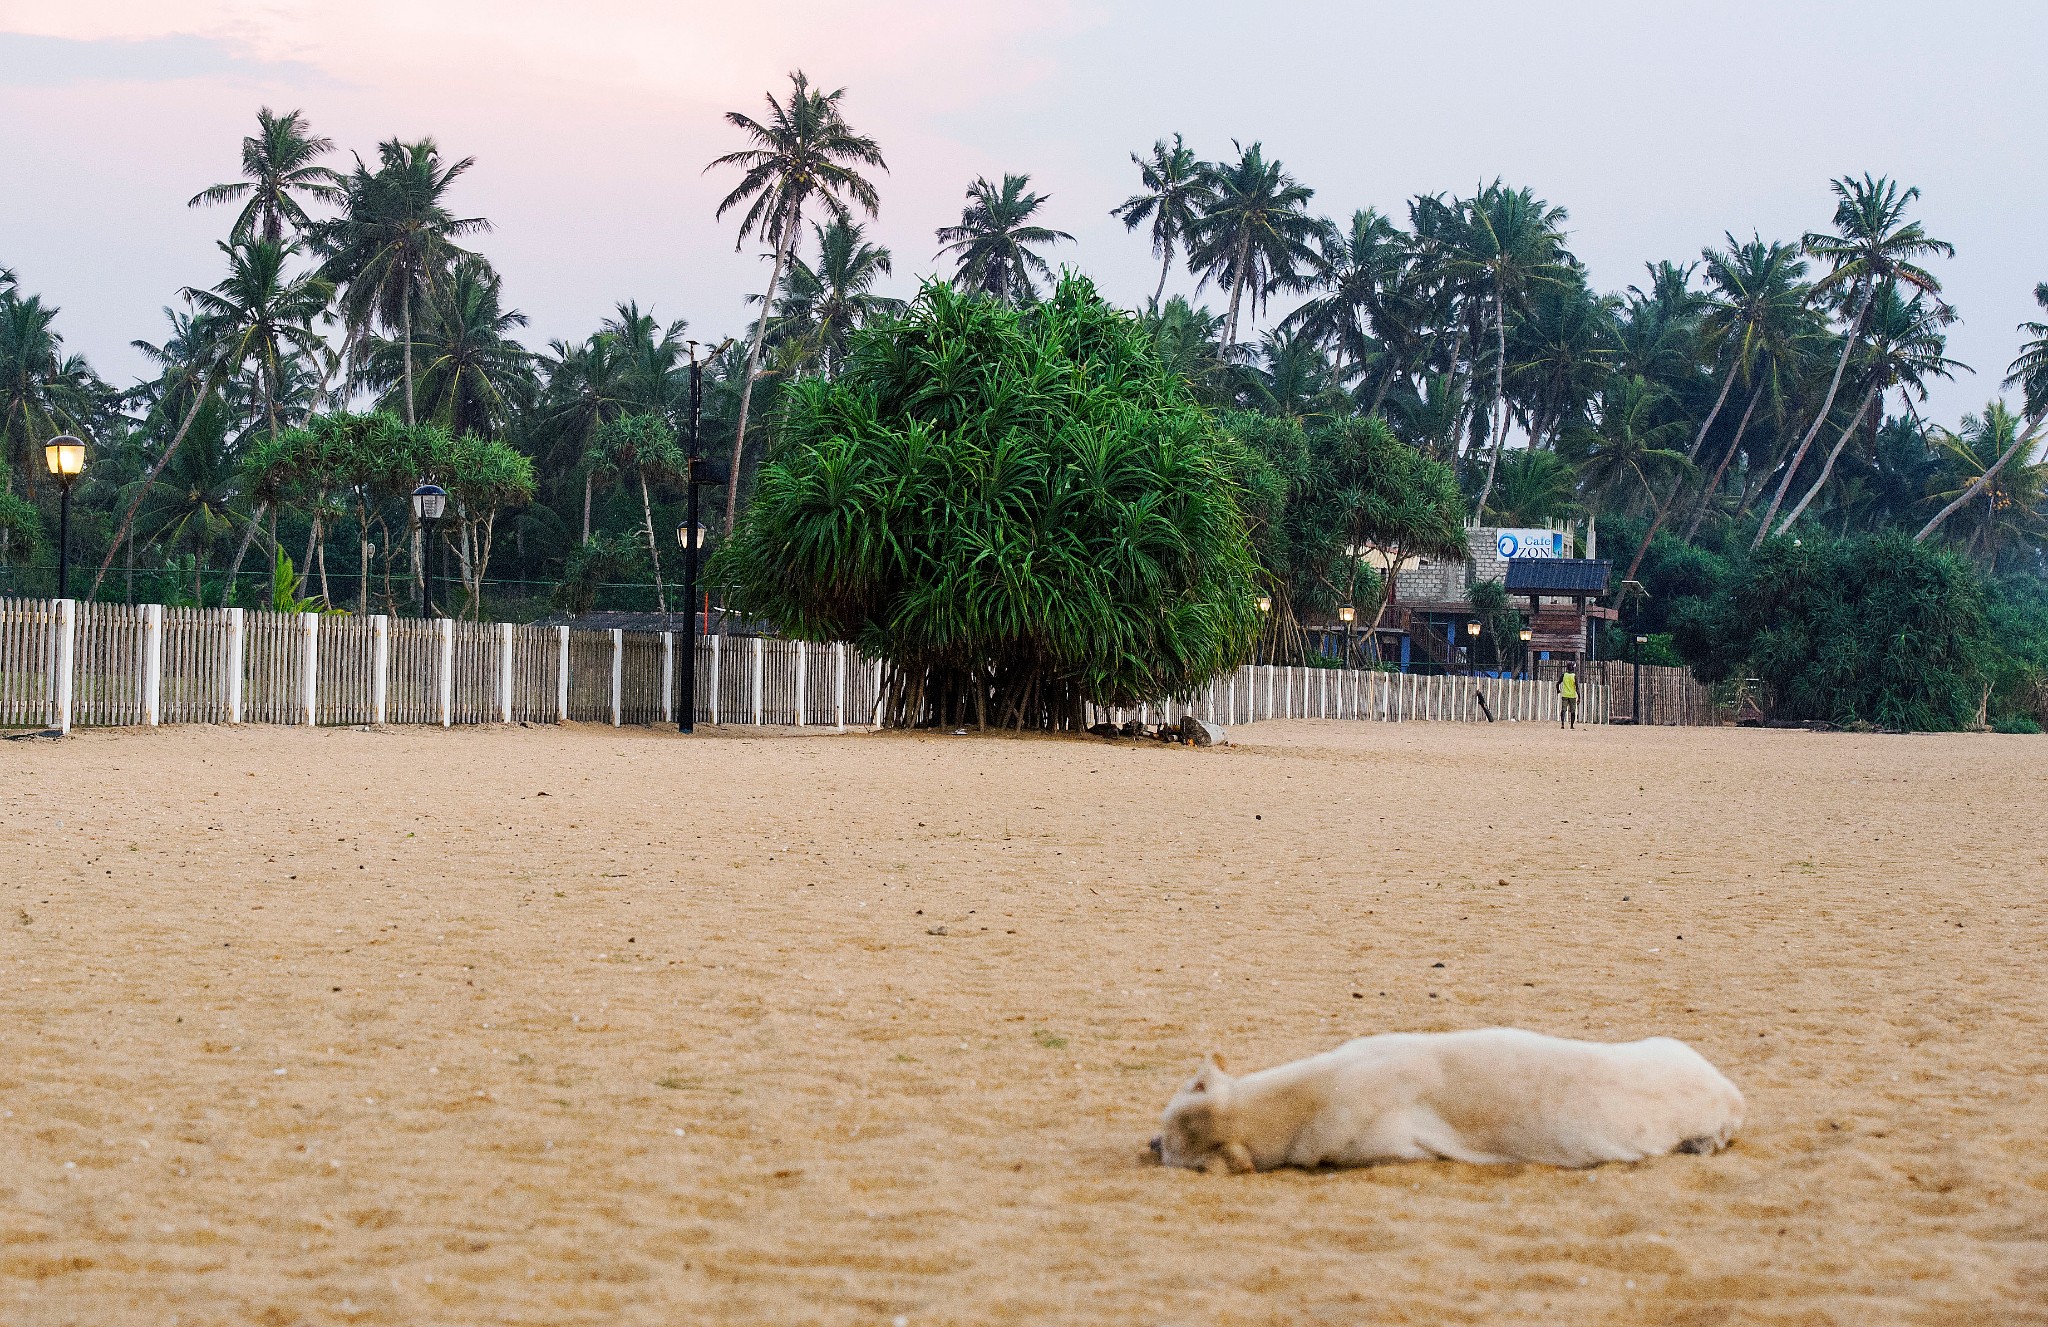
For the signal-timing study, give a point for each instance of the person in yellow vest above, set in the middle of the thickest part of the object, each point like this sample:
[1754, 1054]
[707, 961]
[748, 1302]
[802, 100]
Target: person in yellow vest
[1568, 697]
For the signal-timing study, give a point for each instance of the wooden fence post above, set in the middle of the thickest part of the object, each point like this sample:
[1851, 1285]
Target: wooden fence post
[760, 649]
[310, 623]
[839, 685]
[152, 664]
[236, 635]
[618, 669]
[562, 677]
[716, 641]
[668, 676]
[380, 666]
[65, 647]
[504, 672]
[447, 630]
[802, 679]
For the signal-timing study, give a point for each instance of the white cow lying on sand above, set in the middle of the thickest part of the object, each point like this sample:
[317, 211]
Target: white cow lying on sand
[1487, 1096]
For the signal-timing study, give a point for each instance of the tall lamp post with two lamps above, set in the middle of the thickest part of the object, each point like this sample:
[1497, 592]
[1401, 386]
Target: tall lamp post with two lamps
[701, 472]
[429, 504]
[65, 455]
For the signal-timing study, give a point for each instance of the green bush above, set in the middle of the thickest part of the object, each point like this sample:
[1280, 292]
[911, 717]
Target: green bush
[1020, 510]
[1871, 630]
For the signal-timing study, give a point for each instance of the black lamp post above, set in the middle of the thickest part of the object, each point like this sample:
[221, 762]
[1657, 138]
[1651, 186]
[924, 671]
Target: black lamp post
[65, 455]
[1526, 637]
[702, 473]
[429, 501]
[1472, 648]
[1347, 615]
[1265, 607]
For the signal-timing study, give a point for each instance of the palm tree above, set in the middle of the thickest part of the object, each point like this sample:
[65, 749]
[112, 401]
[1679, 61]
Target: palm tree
[193, 506]
[1756, 302]
[992, 243]
[1294, 379]
[1757, 297]
[1254, 234]
[587, 386]
[2029, 373]
[1353, 271]
[1873, 246]
[2014, 510]
[1560, 354]
[1904, 347]
[43, 391]
[654, 375]
[278, 163]
[1185, 339]
[394, 243]
[1626, 445]
[805, 152]
[257, 317]
[1534, 488]
[1177, 187]
[1517, 240]
[821, 306]
[469, 369]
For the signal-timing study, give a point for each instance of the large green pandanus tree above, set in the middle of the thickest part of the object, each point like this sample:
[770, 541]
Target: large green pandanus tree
[1019, 510]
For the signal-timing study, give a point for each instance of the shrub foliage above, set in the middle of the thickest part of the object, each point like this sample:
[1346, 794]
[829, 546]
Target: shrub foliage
[1019, 510]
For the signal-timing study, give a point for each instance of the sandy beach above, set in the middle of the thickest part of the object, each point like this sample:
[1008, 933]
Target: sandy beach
[594, 1026]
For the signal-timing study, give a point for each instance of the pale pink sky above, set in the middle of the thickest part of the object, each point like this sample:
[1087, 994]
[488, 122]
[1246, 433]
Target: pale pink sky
[1658, 126]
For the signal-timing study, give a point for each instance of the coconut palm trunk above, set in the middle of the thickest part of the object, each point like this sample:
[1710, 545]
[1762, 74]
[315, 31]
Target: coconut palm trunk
[405, 330]
[1165, 266]
[1500, 400]
[1819, 417]
[149, 480]
[1983, 482]
[1714, 485]
[1236, 292]
[241, 552]
[739, 438]
[1828, 469]
[653, 552]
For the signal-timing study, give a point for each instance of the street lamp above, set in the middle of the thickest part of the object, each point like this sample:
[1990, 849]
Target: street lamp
[699, 473]
[65, 455]
[429, 502]
[1347, 615]
[1472, 648]
[1265, 603]
[1527, 635]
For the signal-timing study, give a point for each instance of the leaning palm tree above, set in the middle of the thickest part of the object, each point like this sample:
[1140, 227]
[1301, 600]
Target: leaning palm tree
[1873, 246]
[256, 318]
[1516, 240]
[2029, 373]
[2007, 503]
[993, 242]
[278, 163]
[1903, 349]
[394, 243]
[1177, 187]
[1756, 302]
[1254, 235]
[804, 152]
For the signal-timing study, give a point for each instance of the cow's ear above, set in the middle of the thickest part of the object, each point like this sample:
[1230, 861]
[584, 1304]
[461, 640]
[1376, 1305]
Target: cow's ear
[1216, 1058]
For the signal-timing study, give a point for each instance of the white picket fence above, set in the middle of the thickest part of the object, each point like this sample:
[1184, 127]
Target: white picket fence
[1270, 691]
[65, 664]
